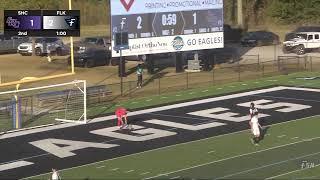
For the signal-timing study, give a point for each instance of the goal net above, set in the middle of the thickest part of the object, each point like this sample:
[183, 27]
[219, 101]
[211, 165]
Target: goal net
[44, 105]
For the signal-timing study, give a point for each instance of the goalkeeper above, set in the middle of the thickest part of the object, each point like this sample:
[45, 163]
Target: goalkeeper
[121, 114]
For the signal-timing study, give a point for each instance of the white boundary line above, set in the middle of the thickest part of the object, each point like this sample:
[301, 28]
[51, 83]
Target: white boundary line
[165, 147]
[279, 97]
[173, 106]
[182, 117]
[291, 172]
[233, 157]
[14, 165]
[268, 165]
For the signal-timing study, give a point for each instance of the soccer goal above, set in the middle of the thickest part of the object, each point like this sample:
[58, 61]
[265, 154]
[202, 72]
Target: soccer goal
[46, 104]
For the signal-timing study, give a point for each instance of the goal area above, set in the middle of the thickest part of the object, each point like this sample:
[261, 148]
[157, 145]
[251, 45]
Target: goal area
[64, 102]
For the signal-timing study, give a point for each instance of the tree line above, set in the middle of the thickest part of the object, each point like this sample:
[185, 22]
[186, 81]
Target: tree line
[286, 12]
[95, 12]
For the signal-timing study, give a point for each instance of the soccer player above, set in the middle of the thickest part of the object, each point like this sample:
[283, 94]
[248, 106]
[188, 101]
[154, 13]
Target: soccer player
[121, 114]
[255, 128]
[252, 112]
[55, 175]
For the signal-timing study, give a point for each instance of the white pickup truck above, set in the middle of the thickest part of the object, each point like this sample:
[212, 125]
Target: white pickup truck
[300, 42]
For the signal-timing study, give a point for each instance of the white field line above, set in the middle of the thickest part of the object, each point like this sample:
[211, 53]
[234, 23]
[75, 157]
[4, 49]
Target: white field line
[174, 106]
[113, 140]
[15, 164]
[279, 97]
[281, 136]
[268, 165]
[114, 169]
[166, 147]
[233, 157]
[49, 127]
[4, 163]
[182, 117]
[177, 177]
[290, 172]
[144, 173]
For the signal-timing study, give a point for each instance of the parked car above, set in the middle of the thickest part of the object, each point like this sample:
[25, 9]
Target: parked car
[10, 44]
[102, 41]
[301, 41]
[54, 46]
[259, 38]
[92, 51]
[231, 35]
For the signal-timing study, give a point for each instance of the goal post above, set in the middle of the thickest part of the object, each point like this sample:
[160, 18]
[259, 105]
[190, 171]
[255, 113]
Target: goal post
[66, 102]
[72, 104]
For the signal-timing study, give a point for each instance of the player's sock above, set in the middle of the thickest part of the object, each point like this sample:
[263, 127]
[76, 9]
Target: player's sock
[257, 140]
[252, 140]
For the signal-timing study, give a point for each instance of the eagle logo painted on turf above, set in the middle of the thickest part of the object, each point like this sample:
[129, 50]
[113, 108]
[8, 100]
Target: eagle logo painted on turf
[127, 4]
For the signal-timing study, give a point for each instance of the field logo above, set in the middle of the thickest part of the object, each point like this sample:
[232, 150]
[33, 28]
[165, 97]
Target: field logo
[177, 43]
[127, 4]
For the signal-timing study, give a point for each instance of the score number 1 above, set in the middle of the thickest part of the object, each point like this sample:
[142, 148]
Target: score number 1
[194, 18]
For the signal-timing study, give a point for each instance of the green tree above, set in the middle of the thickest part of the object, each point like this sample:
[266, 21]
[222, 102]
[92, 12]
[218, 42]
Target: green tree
[295, 11]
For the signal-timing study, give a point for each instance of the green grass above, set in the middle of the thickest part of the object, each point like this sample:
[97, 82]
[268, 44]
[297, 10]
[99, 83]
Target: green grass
[275, 155]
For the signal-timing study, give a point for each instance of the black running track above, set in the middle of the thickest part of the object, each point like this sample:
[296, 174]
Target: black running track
[18, 148]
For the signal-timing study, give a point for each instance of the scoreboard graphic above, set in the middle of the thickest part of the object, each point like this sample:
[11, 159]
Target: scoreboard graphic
[45, 23]
[158, 26]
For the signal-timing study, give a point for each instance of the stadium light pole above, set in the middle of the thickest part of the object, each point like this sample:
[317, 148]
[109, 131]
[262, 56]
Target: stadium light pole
[121, 65]
[240, 13]
[71, 46]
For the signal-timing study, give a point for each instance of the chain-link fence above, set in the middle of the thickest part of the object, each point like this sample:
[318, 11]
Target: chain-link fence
[218, 75]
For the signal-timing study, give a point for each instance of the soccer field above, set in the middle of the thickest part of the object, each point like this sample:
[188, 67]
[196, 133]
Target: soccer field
[285, 152]
[205, 137]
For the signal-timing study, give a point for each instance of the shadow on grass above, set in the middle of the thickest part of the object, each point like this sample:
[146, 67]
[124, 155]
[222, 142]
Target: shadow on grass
[264, 132]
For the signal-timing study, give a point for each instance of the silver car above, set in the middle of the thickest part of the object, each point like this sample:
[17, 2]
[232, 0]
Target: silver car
[10, 44]
[43, 46]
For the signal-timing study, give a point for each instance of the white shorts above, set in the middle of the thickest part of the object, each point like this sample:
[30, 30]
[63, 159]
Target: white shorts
[255, 131]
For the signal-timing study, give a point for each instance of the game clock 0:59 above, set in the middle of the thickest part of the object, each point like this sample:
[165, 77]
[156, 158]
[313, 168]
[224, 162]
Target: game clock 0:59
[61, 33]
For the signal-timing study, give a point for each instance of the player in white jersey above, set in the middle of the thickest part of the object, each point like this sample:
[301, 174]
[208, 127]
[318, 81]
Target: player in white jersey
[55, 175]
[255, 128]
[252, 112]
